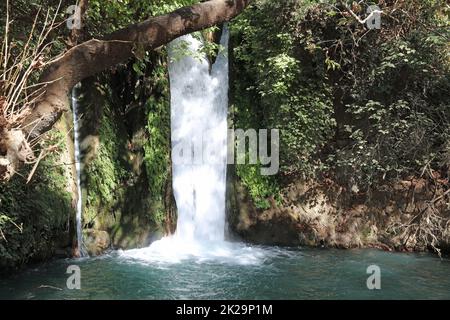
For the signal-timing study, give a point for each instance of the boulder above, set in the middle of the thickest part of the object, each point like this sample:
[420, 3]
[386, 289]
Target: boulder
[96, 241]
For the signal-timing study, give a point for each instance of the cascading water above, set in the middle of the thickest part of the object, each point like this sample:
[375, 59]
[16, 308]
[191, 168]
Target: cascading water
[199, 103]
[76, 136]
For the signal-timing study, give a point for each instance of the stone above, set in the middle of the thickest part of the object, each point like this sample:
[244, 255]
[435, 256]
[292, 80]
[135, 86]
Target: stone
[96, 241]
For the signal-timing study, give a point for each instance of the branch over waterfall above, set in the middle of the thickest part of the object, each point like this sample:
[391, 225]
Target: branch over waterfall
[96, 55]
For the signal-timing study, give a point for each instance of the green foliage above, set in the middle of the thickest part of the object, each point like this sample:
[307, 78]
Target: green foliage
[105, 16]
[157, 146]
[283, 90]
[361, 105]
[181, 50]
[260, 187]
[132, 163]
[107, 171]
[398, 141]
[396, 98]
[126, 179]
[34, 216]
[207, 47]
[274, 87]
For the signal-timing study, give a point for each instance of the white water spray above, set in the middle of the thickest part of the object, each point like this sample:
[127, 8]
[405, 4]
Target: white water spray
[199, 103]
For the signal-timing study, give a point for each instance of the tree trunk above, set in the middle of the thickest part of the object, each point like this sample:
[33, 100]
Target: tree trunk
[96, 55]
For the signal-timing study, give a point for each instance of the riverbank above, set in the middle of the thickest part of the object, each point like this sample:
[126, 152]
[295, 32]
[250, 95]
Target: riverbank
[406, 215]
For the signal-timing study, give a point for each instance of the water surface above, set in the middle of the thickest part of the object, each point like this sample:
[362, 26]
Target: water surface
[249, 273]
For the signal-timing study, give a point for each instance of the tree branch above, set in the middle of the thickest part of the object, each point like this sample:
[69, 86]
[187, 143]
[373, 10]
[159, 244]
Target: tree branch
[96, 55]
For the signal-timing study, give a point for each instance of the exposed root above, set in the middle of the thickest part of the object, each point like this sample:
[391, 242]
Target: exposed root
[428, 227]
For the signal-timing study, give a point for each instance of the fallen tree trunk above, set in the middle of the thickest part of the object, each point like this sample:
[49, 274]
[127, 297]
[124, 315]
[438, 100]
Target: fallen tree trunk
[96, 55]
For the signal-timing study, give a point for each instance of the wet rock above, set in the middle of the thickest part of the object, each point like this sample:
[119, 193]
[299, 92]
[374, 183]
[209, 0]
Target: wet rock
[96, 241]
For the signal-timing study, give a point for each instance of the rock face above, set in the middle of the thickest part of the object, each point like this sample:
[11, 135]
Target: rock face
[125, 179]
[126, 175]
[96, 242]
[315, 214]
[35, 217]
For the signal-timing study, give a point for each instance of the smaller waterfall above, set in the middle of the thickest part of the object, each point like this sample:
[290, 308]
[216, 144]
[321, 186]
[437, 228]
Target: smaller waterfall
[76, 135]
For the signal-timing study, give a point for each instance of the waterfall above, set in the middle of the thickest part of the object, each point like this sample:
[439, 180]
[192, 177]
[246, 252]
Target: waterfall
[199, 103]
[76, 136]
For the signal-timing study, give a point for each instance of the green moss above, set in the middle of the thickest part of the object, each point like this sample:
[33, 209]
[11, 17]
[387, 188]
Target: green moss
[157, 147]
[34, 217]
[127, 176]
[106, 172]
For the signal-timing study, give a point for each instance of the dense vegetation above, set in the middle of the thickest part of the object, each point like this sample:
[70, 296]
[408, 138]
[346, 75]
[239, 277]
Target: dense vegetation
[127, 165]
[34, 217]
[361, 107]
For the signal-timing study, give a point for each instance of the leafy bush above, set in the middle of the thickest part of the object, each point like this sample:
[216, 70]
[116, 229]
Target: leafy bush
[274, 87]
[362, 105]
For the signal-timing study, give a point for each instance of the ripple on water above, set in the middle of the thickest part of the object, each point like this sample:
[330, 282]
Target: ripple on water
[236, 271]
[171, 250]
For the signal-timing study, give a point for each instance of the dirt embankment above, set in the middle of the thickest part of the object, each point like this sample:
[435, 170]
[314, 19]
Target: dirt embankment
[405, 215]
